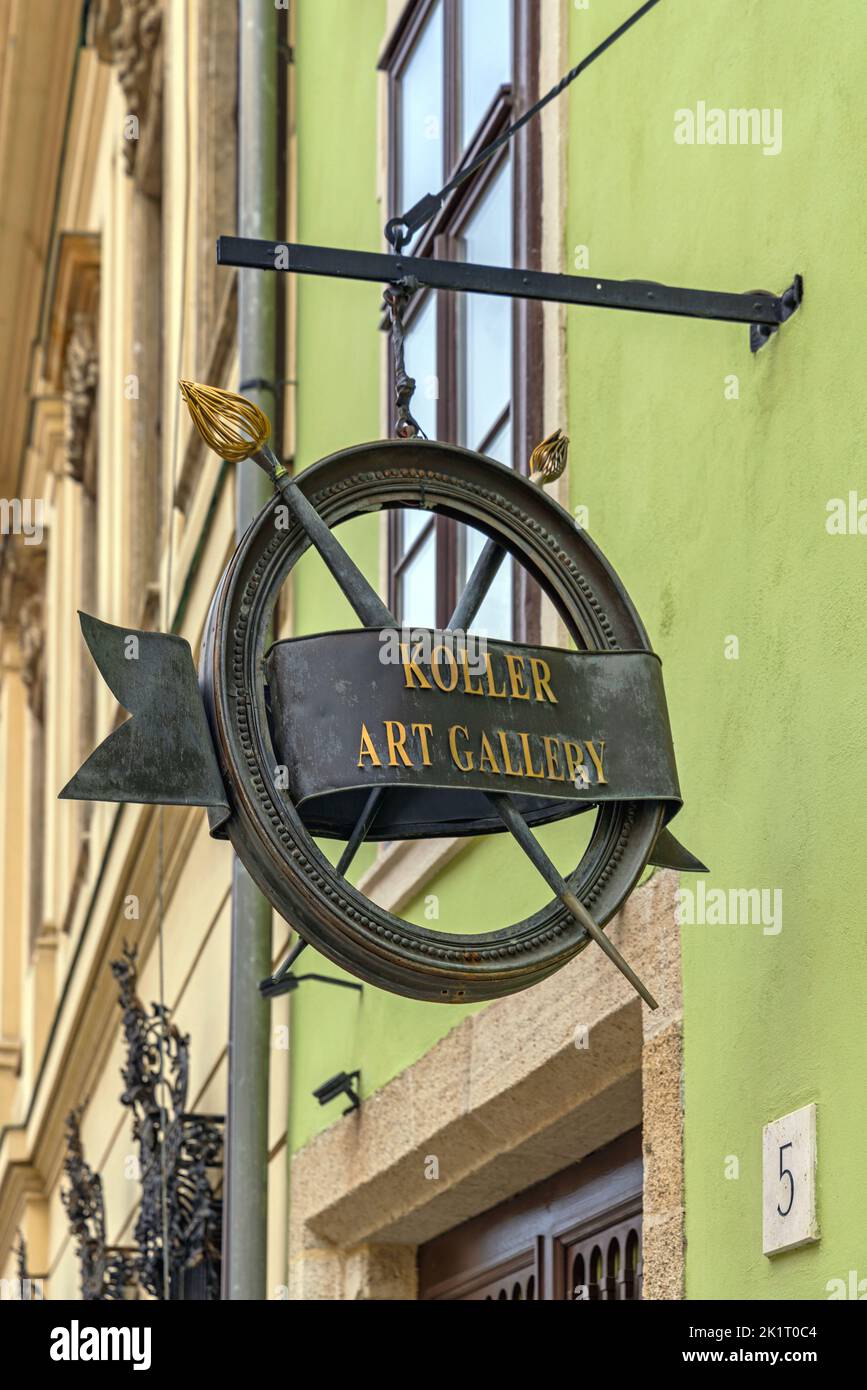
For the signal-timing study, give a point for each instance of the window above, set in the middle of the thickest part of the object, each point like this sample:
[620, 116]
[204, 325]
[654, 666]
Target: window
[574, 1238]
[459, 70]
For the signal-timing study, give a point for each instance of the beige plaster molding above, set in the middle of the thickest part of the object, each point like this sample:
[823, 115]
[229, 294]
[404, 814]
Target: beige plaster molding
[38, 47]
[86, 1028]
[10, 1055]
[554, 120]
[403, 867]
[26, 1185]
[73, 290]
[194, 459]
[504, 1100]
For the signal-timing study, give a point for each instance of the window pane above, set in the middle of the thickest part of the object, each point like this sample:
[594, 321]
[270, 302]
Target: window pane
[486, 58]
[494, 618]
[495, 615]
[487, 346]
[412, 523]
[421, 116]
[418, 597]
[500, 447]
[488, 234]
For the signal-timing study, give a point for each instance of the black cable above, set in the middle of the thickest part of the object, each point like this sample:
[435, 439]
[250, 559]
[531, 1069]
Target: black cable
[399, 229]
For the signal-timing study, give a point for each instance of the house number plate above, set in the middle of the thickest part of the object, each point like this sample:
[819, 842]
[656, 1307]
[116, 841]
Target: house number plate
[789, 1181]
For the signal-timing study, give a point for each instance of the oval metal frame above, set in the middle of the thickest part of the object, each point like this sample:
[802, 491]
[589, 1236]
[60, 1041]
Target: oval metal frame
[264, 828]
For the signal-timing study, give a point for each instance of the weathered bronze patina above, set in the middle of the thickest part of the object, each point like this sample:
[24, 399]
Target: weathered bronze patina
[370, 734]
[266, 827]
[555, 729]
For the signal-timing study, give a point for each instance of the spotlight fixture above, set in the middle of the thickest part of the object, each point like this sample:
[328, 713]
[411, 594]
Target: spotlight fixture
[340, 1085]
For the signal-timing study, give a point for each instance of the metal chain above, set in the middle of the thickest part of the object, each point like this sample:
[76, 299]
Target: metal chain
[396, 297]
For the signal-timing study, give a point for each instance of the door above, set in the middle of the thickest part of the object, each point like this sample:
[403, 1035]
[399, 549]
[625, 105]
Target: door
[576, 1237]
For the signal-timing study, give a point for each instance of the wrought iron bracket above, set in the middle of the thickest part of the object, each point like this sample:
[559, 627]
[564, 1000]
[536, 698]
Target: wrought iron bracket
[764, 312]
[107, 1271]
[790, 300]
[179, 1151]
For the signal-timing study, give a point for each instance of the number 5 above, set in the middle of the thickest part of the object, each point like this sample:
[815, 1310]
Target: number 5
[786, 1173]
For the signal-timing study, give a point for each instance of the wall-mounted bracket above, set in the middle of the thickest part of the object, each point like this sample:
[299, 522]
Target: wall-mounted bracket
[764, 312]
[790, 300]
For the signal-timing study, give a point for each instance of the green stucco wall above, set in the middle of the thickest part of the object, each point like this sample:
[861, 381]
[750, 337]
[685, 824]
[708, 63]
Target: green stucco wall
[713, 510]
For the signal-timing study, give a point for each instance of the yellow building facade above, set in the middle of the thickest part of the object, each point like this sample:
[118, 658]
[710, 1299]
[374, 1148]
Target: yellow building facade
[119, 158]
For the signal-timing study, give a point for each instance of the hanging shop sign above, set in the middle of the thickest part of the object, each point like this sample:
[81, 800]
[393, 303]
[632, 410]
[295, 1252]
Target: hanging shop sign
[380, 733]
[331, 737]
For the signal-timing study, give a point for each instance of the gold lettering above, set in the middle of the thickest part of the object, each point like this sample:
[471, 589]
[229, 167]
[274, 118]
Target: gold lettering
[529, 770]
[516, 676]
[487, 755]
[435, 668]
[396, 742]
[367, 749]
[574, 761]
[453, 733]
[597, 761]
[411, 668]
[507, 764]
[492, 690]
[552, 753]
[423, 730]
[469, 688]
[541, 677]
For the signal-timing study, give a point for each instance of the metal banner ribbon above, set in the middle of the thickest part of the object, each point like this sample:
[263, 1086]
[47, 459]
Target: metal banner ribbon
[164, 754]
[445, 720]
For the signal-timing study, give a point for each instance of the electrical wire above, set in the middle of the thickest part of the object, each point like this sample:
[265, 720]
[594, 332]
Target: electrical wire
[399, 229]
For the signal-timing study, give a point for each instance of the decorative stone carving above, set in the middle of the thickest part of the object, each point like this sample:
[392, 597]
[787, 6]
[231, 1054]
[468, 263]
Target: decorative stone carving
[32, 639]
[22, 609]
[80, 380]
[126, 35]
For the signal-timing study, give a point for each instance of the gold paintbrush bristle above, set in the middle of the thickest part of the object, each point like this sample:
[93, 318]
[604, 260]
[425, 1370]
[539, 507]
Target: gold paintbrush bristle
[548, 459]
[231, 425]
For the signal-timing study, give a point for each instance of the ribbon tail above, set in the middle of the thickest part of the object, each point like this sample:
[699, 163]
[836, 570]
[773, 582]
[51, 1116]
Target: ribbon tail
[164, 754]
[669, 853]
